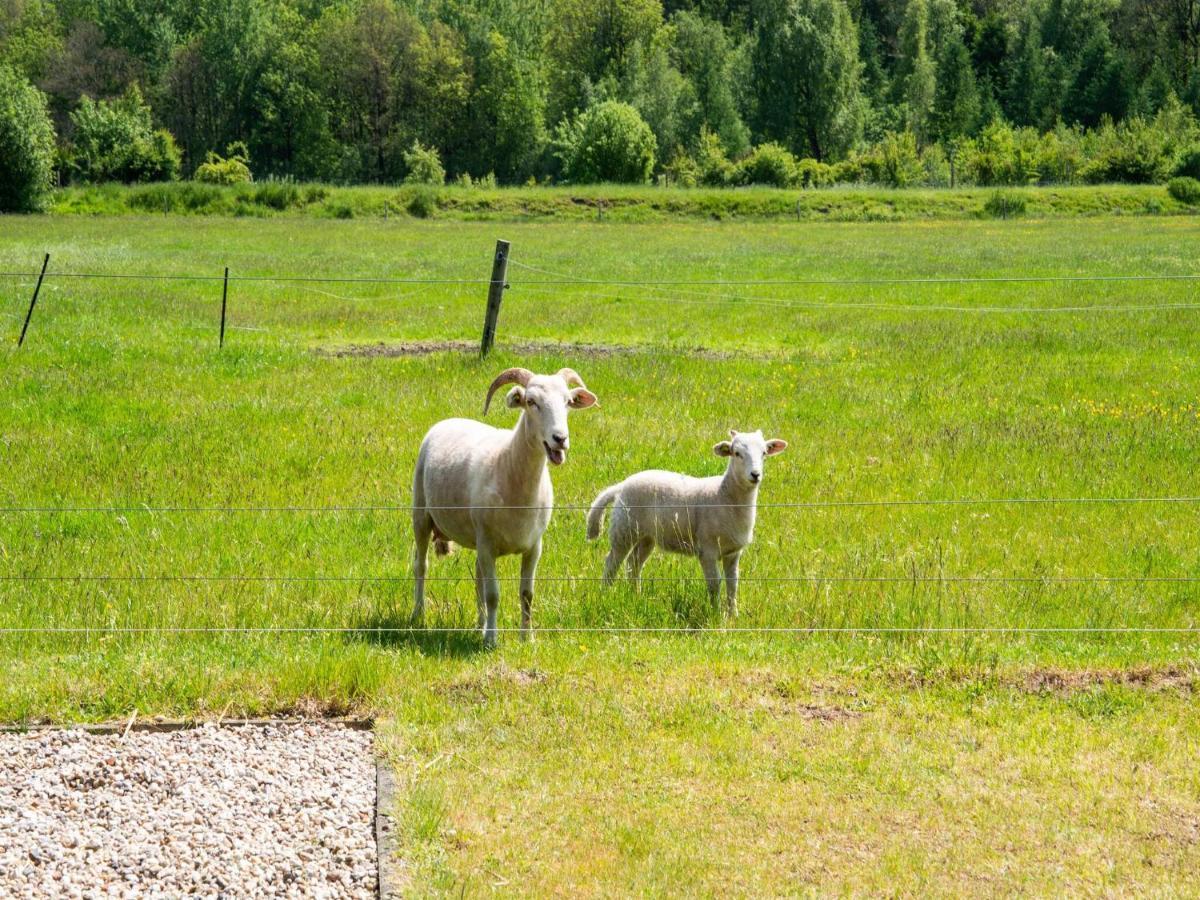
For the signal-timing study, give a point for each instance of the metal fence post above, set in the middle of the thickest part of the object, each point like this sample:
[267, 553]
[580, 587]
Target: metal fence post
[224, 298]
[495, 295]
[33, 301]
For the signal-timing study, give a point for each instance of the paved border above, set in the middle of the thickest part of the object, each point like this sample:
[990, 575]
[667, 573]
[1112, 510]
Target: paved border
[390, 871]
[182, 725]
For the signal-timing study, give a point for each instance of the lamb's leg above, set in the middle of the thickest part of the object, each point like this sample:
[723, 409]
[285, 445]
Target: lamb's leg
[731, 582]
[491, 592]
[422, 530]
[708, 562]
[621, 541]
[480, 599]
[641, 552]
[529, 563]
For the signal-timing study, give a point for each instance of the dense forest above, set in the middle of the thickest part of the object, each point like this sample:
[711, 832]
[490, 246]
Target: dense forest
[801, 92]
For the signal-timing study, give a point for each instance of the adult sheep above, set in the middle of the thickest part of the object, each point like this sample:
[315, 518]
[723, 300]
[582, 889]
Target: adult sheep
[488, 489]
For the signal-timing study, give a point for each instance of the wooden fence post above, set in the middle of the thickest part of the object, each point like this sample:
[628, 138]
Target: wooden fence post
[33, 301]
[495, 295]
[224, 298]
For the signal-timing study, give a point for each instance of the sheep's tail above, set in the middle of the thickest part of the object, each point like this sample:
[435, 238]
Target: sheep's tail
[442, 545]
[595, 516]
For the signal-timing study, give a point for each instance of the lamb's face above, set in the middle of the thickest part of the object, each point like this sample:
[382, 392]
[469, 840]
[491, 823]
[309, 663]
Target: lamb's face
[546, 401]
[746, 451]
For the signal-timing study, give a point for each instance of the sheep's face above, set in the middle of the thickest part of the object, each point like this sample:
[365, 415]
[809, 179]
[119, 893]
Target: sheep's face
[545, 402]
[746, 451]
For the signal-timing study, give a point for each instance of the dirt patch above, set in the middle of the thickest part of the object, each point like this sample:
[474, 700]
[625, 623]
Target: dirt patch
[476, 688]
[759, 690]
[574, 350]
[1066, 682]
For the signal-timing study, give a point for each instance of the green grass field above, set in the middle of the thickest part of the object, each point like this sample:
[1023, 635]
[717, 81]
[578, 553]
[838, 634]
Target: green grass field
[700, 762]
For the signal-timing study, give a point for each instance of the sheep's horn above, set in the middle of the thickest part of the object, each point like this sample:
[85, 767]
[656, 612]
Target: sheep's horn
[570, 375]
[508, 376]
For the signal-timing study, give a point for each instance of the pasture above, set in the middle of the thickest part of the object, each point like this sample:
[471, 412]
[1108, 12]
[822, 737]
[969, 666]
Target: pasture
[911, 743]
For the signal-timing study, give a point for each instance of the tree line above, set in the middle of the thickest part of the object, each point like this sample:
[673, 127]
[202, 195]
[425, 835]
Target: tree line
[695, 91]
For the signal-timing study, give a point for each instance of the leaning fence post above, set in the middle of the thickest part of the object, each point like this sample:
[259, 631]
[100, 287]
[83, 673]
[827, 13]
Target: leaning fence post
[495, 295]
[224, 297]
[33, 301]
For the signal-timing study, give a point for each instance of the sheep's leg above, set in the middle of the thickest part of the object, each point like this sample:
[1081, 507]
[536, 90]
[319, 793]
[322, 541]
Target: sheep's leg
[480, 600]
[491, 592]
[708, 562]
[620, 543]
[529, 564]
[422, 530]
[641, 552]
[731, 582]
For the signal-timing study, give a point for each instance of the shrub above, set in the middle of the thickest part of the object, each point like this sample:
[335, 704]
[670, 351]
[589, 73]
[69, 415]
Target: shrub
[277, 193]
[424, 165]
[233, 168]
[715, 169]
[893, 161]
[812, 173]
[1134, 152]
[1185, 190]
[1000, 156]
[1189, 162]
[607, 142]
[116, 141]
[682, 170]
[1004, 205]
[768, 163]
[26, 145]
[422, 203]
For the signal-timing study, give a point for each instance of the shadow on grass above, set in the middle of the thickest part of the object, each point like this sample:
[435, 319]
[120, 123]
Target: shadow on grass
[394, 631]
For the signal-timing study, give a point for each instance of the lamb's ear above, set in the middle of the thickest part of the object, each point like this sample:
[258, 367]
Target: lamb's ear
[732, 433]
[723, 449]
[582, 398]
[515, 398]
[776, 446]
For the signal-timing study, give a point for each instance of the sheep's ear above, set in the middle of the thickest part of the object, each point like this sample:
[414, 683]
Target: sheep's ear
[515, 398]
[776, 446]
[723, 449]
[732, 433]
[582, 398]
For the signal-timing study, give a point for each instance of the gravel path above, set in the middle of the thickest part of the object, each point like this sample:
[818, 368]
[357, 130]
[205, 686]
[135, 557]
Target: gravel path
[278, 810]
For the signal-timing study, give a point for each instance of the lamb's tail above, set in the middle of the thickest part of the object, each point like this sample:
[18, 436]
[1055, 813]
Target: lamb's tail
[595, 516]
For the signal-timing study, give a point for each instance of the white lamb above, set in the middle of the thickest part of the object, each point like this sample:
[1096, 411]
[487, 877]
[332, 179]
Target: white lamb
[709, 518]
[488, 488]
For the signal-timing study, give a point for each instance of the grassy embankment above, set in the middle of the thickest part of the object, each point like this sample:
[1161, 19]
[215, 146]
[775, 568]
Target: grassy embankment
[617, 203]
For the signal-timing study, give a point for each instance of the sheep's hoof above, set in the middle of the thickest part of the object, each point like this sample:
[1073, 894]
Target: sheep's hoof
[527, 634]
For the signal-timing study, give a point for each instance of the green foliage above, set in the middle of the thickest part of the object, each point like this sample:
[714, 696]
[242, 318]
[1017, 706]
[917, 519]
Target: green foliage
[1000, 156]
[1135, 152]
[1189, 162]
[26, 145]
[1004, 205]
[893, 161]
[116, 141]
[1185, 190]
[233, 168]
[422, 202]
[769, 164]
[424, 165]
[681, 170]
[713, 166]
[812, 173]
[804, 64]
[607, 142]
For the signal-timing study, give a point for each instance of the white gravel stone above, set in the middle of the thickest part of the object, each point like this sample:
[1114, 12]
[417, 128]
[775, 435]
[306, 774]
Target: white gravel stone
[279, 810]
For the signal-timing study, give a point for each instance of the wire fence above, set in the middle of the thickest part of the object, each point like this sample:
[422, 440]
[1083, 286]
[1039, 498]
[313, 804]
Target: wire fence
[544, 281]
